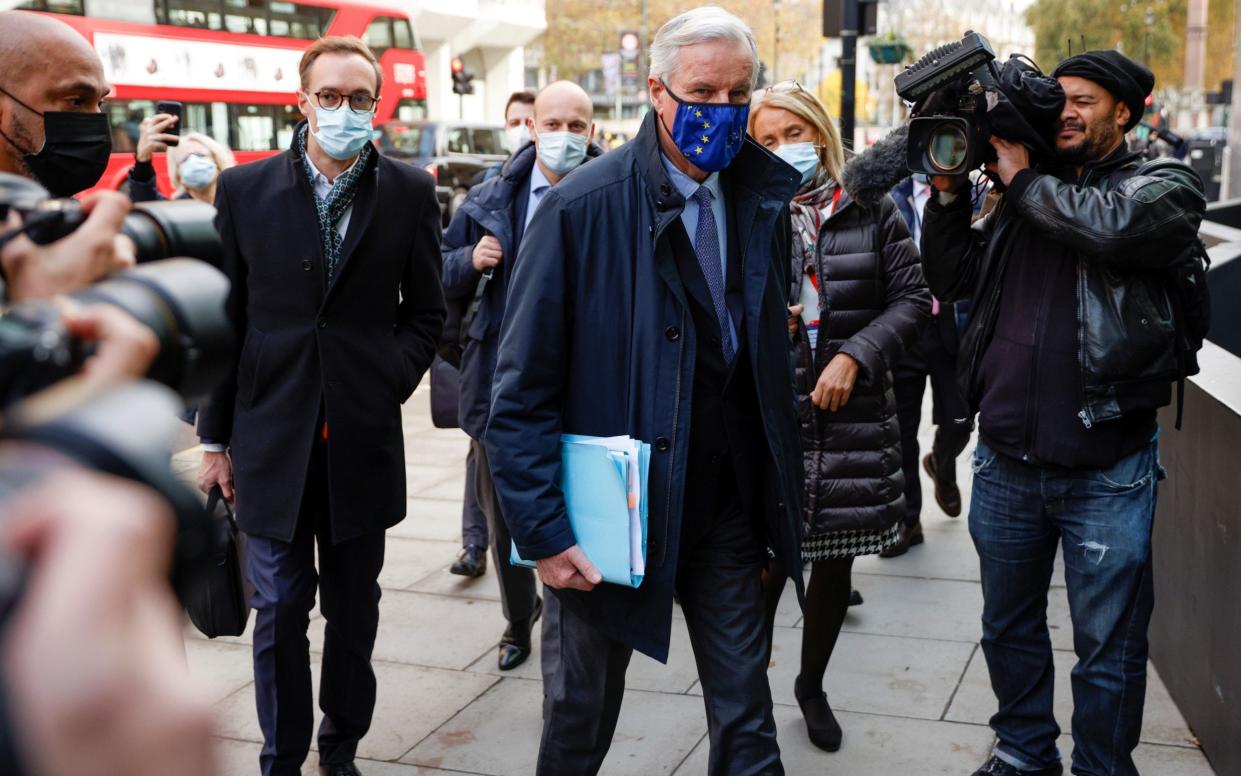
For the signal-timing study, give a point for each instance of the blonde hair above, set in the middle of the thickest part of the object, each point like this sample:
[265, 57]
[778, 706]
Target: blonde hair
[220, 154]
[809, 109]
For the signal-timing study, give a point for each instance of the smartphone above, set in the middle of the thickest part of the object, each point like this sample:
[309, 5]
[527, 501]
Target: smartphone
[173, 108]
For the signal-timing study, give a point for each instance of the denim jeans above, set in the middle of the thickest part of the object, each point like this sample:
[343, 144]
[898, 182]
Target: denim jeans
[1102, 518]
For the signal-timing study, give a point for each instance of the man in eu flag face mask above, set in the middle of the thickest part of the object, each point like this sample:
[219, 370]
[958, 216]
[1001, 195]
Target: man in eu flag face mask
[648, 300]
[333, 254]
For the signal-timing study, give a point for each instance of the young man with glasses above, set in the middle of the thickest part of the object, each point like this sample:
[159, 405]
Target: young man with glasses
[333, 252]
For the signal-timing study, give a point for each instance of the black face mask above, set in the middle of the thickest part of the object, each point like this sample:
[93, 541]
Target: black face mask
[75, 152]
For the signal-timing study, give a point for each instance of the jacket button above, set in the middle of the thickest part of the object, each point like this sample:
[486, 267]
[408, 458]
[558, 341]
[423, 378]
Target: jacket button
[662, 444]
[672, 333]
[323, 323]
[665, 189]
[306, 264]
[660, 204]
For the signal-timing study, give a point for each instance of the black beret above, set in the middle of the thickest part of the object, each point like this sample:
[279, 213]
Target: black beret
[1128, 81]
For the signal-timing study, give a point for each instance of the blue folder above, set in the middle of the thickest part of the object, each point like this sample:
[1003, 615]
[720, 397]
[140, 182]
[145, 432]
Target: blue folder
[605, 492]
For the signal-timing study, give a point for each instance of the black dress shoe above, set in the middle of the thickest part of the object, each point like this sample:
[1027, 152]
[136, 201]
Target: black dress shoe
[472, 562]
[855, 598]
[947, 494]
[997, 767]
[910, 535]
[339, 769]
[821, 724]
[515, 645]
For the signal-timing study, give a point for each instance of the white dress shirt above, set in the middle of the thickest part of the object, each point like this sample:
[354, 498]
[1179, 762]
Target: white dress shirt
[323, 187]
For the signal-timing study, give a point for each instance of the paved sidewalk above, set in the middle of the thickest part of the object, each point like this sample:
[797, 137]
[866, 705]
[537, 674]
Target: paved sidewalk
[907, 680]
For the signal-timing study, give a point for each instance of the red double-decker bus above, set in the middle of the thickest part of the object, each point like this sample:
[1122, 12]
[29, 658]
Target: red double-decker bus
[233, 64]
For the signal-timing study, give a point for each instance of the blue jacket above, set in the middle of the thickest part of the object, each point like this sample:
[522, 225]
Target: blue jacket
[599, 339]
[496, 207]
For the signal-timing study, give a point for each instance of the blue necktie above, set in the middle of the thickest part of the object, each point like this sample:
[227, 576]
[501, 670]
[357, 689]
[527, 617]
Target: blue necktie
[707, 246]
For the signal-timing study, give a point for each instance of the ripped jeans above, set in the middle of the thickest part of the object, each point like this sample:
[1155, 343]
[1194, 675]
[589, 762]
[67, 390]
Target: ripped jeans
[1102, 518]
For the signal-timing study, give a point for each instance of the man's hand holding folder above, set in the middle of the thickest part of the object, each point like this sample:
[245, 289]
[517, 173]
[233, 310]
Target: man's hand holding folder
[570, 568]
[604, 484]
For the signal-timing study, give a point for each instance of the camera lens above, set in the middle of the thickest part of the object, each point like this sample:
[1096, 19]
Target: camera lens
[161, 230]
[947, 147]
[182, 301]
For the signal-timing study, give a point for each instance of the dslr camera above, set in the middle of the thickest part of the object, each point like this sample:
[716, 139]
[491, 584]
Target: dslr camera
[961, 97]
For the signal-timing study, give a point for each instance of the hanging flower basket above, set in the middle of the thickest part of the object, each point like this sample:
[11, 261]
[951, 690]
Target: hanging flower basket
[889, 49]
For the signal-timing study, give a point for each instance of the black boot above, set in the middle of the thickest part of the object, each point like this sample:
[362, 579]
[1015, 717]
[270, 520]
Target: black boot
[821, 724]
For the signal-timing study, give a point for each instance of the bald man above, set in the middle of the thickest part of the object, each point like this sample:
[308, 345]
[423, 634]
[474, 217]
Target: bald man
[478, 247]
[52, 126]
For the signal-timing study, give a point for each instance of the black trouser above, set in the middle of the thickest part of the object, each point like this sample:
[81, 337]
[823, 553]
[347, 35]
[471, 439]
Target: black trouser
[285, 582]
[518, 587]
[718, 582]
[929, 359]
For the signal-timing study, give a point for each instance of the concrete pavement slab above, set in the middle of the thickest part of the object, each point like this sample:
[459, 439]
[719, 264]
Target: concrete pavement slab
[873, 746]
[407, 561]
[437, 520]
[876, 674]
[499, 733]
[221, 668]
[412, 702]
[1162, 722]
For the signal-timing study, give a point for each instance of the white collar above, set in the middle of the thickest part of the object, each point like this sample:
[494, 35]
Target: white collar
[320, 178]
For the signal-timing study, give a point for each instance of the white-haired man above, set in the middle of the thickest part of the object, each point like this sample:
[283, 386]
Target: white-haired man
[647, 299]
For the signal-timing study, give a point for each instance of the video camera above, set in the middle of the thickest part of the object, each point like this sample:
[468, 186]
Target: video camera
[180, 299]
[961, 98]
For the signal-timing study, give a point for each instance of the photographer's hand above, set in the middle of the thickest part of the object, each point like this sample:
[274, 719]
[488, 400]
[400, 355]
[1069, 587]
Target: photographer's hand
[1012, 159]
[93, 654]
[95, 249]
[125, 348]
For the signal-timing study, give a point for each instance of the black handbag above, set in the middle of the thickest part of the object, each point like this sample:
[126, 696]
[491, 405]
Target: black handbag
[445, 390]
[218, 602]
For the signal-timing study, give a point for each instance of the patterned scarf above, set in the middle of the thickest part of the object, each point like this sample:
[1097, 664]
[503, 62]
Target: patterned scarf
[806, 211]
[338, 199]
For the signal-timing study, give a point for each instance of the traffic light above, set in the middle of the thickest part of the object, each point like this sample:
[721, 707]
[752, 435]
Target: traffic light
[462, 79]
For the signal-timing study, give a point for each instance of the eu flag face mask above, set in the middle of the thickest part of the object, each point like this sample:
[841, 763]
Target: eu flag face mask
[801, 156]
[710, 134]
[342, 132]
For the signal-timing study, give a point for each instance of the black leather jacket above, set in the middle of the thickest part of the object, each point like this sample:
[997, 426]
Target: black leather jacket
[1127, 222]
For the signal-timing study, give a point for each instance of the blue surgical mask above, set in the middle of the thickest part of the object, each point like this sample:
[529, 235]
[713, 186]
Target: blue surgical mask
[561, 152]
[342, 132]
[803, 157]
[710, 134]
[197, 172]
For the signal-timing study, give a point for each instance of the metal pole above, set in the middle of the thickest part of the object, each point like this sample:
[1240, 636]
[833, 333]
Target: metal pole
[775, 41]
[848, 70]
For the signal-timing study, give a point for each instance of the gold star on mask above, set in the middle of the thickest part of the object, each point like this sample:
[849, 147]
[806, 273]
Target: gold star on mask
[697, 114]
[698, 149]
[706, 139]
[706, 125]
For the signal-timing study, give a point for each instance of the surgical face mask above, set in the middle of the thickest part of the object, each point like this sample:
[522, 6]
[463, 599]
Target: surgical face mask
[341, 133]
[710, 134]
[197, 172]
[517, 136]
[561, 152]
[803, 157]
[75, 152]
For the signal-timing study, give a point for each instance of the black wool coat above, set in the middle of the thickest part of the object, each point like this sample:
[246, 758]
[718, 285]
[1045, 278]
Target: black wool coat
[873, 303]
[348, 355]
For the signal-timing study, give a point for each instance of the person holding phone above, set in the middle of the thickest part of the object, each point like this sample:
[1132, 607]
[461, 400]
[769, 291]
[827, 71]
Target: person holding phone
[195, 160]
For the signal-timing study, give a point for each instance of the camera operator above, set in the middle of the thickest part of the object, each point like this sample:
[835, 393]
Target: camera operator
[1064, 358]
[53, 130]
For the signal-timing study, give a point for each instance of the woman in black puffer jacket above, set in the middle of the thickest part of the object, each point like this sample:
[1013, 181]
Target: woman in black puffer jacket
[861, 301]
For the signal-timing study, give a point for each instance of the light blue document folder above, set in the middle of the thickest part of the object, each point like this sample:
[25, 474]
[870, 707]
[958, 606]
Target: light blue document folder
[604, 480]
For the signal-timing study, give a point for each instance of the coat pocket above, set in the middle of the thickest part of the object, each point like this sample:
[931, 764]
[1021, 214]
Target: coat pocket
[249, 366]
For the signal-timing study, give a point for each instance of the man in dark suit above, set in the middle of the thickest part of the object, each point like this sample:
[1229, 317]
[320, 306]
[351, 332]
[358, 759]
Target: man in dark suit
[333, 251]
[933, 358]
[648, 299]
[481, 241]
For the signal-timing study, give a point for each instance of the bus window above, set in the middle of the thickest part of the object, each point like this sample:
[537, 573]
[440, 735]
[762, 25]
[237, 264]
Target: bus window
[410, 110]
[54, 6]
[254, 126]
[379, 35]
[403, 36]
[288, 117]
[126, 116]
[258, 17]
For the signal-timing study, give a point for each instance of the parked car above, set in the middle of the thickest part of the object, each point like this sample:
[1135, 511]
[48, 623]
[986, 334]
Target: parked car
[452, 151]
